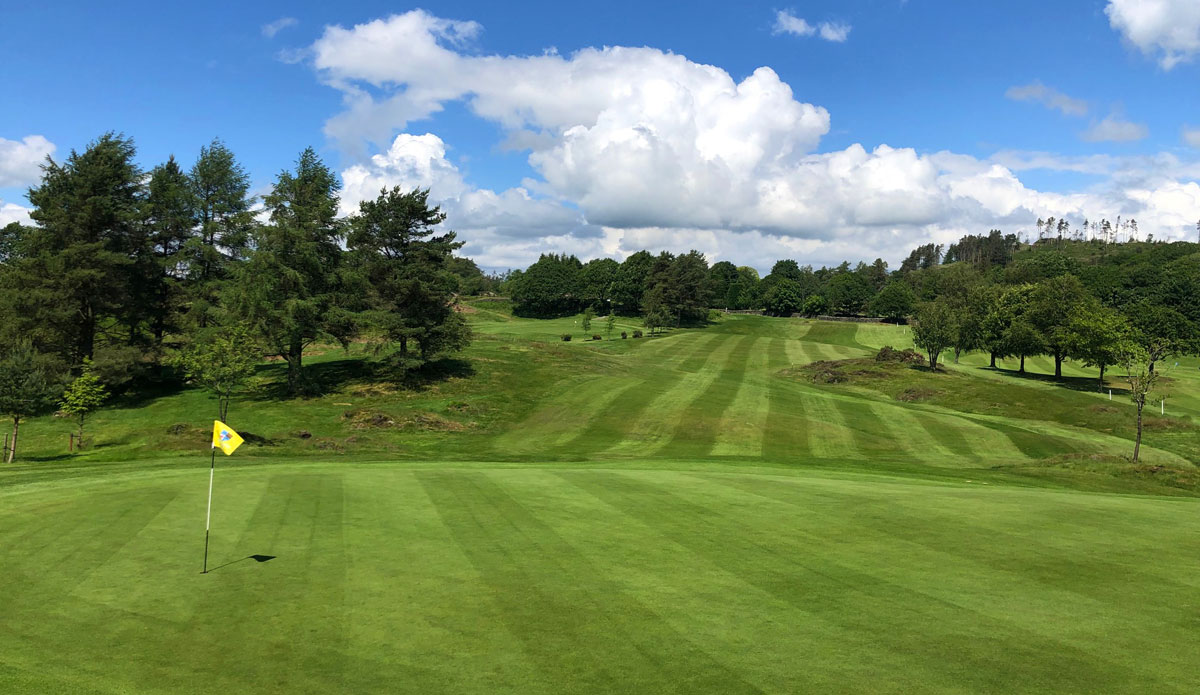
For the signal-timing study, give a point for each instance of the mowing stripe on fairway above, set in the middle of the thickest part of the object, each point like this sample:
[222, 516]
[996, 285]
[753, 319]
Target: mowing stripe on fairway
[1062, 611]
[786, 434]
[744, 425]
[869, 599]
[607, 423]
[701, 419]
[579, 625]
[828, 435]
[650, 431]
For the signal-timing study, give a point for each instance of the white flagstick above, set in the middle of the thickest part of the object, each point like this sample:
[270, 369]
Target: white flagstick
[208, 516]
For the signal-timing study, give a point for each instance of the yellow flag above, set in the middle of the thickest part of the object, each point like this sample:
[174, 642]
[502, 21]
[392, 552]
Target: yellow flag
[224, 438]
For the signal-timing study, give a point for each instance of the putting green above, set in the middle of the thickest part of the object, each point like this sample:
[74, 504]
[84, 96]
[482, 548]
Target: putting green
[636, 577]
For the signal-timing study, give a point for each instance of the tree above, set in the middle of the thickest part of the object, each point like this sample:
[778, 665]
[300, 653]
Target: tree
[895, 301]
[595, 283]
[815, 305]
[1053, 303]
[1162, 331]
[745, 292]
[83, 395]
[28, 387]
[933, 330]
[588, 315]
[1099, 337]
[689, 287]
[74, 277]
[609, 324]
[170, 219]
[970, 315]
[401, 268]
[629, 287]
[222, 363]
[1004, 308]
[722, 277]
[848, 293]
[1142, 380]
[220, 188]
[783, 298]
[1022, 339]
[289, 290]
[549, 287]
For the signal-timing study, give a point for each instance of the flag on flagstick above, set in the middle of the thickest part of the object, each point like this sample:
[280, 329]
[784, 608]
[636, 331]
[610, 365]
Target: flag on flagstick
[224, 438]
[227, 440]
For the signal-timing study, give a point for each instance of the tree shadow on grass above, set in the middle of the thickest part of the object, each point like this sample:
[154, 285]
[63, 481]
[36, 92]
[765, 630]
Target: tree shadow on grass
[1084, 384]
[334, 375]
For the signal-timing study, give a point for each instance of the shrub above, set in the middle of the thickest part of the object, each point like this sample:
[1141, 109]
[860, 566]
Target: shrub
[906, 356]
[596, 337]
[566, 337]
[637, 333]
[624, 335]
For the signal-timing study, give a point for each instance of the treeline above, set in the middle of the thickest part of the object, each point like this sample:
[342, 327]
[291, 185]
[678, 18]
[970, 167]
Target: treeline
[126, 267]
[1068, 302]
[671, 290]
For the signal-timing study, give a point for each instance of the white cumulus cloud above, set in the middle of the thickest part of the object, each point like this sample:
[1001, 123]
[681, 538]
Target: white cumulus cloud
[21, 160]
[788, 23]
[1191, 136]
[11, 212]
[1168, 30]
[634, 147]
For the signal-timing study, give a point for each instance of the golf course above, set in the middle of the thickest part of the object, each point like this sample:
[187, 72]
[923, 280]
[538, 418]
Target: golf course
[703, 510]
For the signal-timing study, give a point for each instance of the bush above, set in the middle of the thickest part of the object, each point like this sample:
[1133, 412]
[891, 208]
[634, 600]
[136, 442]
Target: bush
[566, 337]
[815, 305]
[624, 335]
[637, 333]
[596, 337]
[906, 356]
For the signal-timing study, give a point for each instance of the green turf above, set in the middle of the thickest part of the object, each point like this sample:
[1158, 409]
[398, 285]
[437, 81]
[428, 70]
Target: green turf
[684, 513]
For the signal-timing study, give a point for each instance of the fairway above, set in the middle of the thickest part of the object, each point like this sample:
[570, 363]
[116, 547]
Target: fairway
[684, 513]
[437, 578]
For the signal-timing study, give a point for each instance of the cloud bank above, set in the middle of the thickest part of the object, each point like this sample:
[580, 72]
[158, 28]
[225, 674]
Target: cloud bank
[640, 147]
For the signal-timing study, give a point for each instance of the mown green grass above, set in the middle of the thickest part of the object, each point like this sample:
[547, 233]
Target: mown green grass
[683, 513]
[443, 578]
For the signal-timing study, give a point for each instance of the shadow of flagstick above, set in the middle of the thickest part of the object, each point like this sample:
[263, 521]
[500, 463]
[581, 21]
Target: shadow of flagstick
[256, 558]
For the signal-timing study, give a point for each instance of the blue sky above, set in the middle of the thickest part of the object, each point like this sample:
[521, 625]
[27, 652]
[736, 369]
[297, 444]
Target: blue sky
[1083, 105]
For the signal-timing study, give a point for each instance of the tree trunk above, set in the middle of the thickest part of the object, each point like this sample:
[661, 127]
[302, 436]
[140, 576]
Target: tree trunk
[1102, 365]
[1022, 364]
[403, 345]
[1137, 443]
[933, 361]
[1058, 365]
[956, 353]
[993, 360]
[12, 451]
[295, 360]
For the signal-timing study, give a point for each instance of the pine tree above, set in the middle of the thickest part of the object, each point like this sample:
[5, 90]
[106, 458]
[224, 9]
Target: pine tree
[224, 224]
[76, 272]
[404, 264]
[170, 219]
[290, 289]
